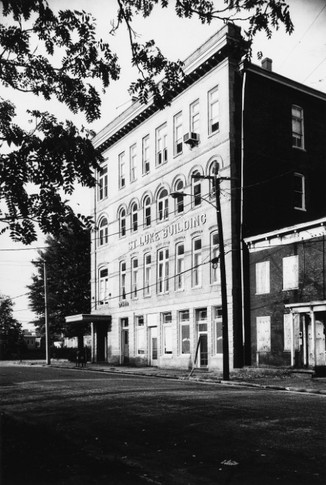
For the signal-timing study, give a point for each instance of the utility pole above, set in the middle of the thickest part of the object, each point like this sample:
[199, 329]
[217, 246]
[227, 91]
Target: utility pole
[46, 317]
[225, 326]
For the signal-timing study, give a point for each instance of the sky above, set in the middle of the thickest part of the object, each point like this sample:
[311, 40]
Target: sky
[301, 56]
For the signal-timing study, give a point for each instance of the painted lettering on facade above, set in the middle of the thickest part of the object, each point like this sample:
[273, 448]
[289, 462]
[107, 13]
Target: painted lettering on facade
[168, 231]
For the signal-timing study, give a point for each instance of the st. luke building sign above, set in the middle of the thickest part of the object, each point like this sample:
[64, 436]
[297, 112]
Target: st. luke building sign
[168, 231]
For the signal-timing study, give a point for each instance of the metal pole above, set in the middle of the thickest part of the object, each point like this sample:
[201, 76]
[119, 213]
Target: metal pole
[47, 333]
[225, 326]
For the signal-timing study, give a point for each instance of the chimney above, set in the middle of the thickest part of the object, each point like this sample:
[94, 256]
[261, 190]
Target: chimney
[267, 64]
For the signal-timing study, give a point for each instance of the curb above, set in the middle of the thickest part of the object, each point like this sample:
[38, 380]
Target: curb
[202, 381]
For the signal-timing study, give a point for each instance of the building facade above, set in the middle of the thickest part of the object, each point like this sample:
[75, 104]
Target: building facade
[156, 295]
[288, 296]
[153, 282]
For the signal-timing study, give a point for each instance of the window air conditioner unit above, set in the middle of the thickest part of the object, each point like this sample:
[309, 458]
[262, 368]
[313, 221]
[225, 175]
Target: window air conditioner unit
[191, 139]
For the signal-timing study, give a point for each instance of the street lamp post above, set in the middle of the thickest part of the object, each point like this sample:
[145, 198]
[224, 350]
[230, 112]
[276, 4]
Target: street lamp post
[225, 327]
[46, 318]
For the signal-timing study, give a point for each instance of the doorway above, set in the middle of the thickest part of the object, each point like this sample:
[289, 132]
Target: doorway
[153, 349]
[124, 341]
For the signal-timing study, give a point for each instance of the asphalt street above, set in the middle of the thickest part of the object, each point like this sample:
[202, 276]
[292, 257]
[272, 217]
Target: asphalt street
[66, 426]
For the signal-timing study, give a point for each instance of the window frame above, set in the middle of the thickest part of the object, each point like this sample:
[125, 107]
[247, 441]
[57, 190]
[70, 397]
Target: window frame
[140, 335]
[161, 149]
[167, 328]
[299, 194]
[147, 212]
[102, 183]
[290, 266]
[194, 117]
[147, 274]
[134, 278]
[122, 222]
[213, 119]
[133, 162]
[122, 170]
[146, 155]
[123, 279]
[177, 134]
[197, 257]
[184, 323]
[262, 278]
[297, 136]
[103, 231]
[134, 217]
[196, 189]
[103, 286]
[163, 205]
[179, 267]
[163, 271]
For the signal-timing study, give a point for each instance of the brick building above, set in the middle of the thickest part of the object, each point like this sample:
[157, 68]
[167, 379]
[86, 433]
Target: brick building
[156, 296]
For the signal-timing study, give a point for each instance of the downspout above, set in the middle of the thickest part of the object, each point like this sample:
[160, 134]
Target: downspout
[241, 214]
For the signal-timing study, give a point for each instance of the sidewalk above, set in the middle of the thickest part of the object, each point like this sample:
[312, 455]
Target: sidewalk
[268, 378]
[278, 379]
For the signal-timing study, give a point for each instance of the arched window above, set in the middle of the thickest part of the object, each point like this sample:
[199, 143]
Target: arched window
[122, 222]
[147, 212]
[163, 205]
[134, 217]
[213, 171]
[196, 188]
[104, 231]
[179, 201]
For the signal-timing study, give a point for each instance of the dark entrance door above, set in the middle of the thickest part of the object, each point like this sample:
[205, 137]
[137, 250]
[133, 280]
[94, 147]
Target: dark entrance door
[203, 351]
[101, 333]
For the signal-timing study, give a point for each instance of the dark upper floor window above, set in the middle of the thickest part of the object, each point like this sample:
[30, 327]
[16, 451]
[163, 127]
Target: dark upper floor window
[297, 127]
[299, 192]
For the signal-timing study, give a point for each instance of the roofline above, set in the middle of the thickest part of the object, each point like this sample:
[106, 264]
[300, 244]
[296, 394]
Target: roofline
[218, 47]
[249, 67]
[285, 230]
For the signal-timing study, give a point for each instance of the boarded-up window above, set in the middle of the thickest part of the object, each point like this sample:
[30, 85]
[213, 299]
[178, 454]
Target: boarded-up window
[290, 272]
[287, 324]
[262, 278]
[263, 334]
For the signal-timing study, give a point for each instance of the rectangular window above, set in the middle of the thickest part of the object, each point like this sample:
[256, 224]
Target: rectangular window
[177, 135]
[179, 270]
[290, 272]
[123, 276]
[104, 286]
[184, 325]
[167, 333]
[213, 111]
[145, 152]
[196, 262]
[218, 321]
[297, 127]
[141, 335]
[194, 117]
[287, 331]
[201, 319]
[215, 273]
[147, 274]
[134, 278]
[263, 325]
[163, 271]
[133, 163]
[103, 183]
[299, 192]
[122, 170]
[262, 277]
[161, 145]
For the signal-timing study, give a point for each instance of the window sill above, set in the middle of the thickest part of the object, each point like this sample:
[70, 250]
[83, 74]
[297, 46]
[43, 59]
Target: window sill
[299, 148]
[291, 289]
[301, 209]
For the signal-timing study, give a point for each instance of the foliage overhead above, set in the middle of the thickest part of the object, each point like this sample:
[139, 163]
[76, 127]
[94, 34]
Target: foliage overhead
[67, 261]
[58, 56]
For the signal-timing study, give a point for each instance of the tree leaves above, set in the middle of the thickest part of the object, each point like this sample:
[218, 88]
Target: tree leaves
[67, 260]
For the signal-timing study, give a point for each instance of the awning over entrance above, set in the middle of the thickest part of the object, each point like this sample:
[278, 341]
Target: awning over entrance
[308, 332]
[85, 318]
